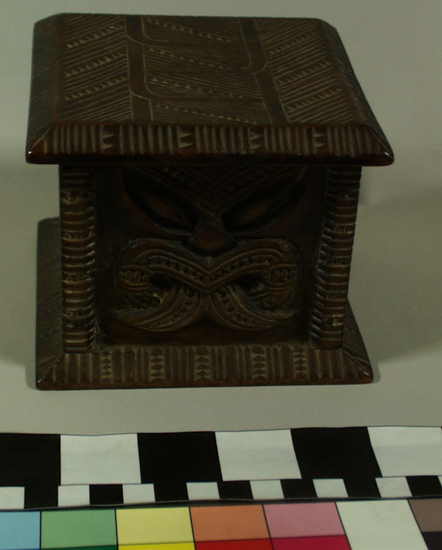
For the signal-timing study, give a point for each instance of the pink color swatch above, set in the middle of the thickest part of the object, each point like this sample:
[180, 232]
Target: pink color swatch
[318, 519]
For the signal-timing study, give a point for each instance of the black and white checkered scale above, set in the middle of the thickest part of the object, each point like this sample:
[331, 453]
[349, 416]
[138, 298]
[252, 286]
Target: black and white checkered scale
[47, 470]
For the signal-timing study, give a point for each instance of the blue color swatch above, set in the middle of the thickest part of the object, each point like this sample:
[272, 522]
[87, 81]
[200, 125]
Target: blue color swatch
[19, 530]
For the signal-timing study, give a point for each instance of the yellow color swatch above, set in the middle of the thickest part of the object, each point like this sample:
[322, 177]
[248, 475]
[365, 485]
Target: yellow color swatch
[154, 526]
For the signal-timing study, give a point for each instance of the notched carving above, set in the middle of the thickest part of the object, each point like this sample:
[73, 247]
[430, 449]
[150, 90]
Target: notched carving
[208, 200]
[167, 287]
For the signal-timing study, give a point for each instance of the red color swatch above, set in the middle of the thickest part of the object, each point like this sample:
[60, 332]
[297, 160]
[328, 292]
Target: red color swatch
[257, 544]
[312, 543]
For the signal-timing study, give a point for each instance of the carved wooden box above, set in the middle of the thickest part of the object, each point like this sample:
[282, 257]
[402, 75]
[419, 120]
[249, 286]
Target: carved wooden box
[209, 176]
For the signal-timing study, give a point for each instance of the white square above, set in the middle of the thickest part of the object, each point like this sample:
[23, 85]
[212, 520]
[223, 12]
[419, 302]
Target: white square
[380, 525]
[393, 487]
[12, 498]
[138, 494]
[73, 495]
[404, 451]
[330, 488]
[101, 459]
[257, 455]
[267, 490]
[203, 491]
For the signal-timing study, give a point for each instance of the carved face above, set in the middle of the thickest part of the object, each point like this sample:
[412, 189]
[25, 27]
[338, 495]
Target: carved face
[214, 261]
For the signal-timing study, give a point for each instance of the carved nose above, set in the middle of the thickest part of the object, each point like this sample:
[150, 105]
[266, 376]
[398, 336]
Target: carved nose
[211, 239]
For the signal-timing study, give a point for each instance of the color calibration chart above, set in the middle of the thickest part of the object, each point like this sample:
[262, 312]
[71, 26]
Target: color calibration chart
[347, 525]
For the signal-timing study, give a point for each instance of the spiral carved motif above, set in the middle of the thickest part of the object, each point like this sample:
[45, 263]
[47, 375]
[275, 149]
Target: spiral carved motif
[167, 287]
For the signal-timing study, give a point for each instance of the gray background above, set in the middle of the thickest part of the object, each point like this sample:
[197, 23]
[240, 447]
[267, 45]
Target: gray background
[396, 50]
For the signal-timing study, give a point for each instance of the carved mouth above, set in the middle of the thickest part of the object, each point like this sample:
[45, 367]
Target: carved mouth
[167, 287]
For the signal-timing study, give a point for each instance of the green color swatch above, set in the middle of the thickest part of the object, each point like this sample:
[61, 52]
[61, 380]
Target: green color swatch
[78, 528]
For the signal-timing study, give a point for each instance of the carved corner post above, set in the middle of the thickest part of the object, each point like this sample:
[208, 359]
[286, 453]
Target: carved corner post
[335, 251]
[77, 227]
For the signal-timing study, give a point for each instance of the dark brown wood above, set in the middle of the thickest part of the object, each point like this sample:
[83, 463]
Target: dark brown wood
[209, 179]
[151, 89]
[195, 364]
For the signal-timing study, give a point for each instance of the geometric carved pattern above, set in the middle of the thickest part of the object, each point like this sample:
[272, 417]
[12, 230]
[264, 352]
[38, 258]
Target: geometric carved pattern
[151, 85]
[218, 188]
[78, 257]
[250, 287]
[210, 107]
[95, 65]
[214, 365]
[333, 270]
[340, 55]
[302, 43]
[181, 365]
[43, 98]
[134, 140]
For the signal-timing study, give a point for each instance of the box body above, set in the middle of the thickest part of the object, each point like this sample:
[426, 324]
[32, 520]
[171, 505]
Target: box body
[209, 179]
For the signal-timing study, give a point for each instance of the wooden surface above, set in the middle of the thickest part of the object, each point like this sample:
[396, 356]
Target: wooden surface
[395, 286]
[179, 365]
[108, 88]
[202, 247]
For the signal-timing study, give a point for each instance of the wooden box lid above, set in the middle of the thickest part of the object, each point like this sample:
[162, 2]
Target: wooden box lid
[155, 89]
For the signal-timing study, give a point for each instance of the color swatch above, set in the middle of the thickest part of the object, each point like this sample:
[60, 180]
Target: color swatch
[78, 529]
[225, 527]
[428, 514]
[146, 526]
[346, 525]
[19, 530]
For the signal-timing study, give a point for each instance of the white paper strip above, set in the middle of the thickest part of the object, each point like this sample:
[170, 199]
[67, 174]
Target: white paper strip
[103, 459]
[330, 488]
[405, 451]
[138, 494]
[257, 455]
[393, 487]
[203, 491]
[73, 495]
[12, 498]
[380, 525]
[267, 490]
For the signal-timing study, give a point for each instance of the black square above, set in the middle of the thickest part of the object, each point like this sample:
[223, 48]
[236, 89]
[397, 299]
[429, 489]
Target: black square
[433, 540]
[41, 495]
[424, 486]
[170, 490]
[335, 453]
[362, 487]
[298, 488]
[106, 494]
[29, 459]
[183, 457]
[235, 490]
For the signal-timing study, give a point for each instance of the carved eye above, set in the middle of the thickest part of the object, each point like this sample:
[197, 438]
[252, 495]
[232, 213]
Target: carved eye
[250, 211]
[161, 206]
[264, 207]
[163, 209]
